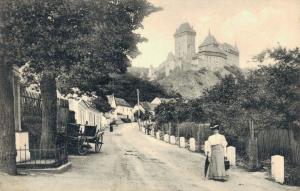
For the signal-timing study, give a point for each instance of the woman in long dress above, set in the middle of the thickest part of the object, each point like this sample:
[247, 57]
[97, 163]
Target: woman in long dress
[216, 154]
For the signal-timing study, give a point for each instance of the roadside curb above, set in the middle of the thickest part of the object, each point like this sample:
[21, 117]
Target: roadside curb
[58, 170]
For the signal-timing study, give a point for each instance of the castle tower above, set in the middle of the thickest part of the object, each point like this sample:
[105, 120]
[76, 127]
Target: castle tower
[185, 42]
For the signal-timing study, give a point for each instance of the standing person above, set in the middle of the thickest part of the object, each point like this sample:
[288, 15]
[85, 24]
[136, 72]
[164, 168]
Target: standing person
[216, 155]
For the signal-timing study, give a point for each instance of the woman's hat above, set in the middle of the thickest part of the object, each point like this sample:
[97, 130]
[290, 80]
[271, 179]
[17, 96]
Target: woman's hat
[214, 127]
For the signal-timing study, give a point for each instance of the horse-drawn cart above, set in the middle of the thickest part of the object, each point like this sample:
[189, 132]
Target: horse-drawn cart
[79, 141]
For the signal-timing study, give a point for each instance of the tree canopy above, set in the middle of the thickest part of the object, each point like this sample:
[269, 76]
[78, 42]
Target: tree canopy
[77, 43]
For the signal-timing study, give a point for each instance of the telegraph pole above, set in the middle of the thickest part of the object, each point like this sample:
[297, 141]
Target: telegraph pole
[138, 100]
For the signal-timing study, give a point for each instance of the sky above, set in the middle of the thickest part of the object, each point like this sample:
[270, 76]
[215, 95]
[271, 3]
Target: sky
[253, 24]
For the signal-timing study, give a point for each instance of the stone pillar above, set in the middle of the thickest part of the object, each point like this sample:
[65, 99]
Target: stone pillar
[277, 168]
[192, 144]
[17, 99]
[22, 142]
[231, 155]
[182, 142]
[167, 138]
[172, 140]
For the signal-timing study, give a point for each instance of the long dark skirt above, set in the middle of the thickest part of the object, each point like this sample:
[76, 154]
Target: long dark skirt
[216, 167]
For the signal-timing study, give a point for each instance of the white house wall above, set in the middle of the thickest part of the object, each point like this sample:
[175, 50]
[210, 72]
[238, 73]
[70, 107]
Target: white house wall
[85, 114]
[127, 111]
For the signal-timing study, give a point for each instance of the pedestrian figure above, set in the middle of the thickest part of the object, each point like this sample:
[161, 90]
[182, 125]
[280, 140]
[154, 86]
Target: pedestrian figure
[216, 155]
[111, 126]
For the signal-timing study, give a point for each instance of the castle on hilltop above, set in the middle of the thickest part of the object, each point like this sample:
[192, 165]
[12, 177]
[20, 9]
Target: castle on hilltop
[211, 54]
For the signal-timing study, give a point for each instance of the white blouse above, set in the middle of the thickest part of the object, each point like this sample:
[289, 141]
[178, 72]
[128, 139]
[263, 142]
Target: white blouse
[216, 139]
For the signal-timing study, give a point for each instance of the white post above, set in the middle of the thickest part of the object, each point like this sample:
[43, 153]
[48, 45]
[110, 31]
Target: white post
[172, 140]
[167, 138]
[158, 135]
[231, 156]
[22, 139]
[182, 142]
[277, 168]
[192, 144]
[152, 133]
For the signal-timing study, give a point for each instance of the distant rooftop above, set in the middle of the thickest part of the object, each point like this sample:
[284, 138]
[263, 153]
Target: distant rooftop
[148, 106]
[122, 102]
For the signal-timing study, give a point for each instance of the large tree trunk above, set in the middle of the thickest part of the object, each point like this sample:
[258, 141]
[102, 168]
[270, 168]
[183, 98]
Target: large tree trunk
[7, 127]
[49, 110]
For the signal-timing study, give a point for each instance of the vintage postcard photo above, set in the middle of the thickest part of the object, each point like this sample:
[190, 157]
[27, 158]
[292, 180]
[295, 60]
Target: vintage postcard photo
[149, 95]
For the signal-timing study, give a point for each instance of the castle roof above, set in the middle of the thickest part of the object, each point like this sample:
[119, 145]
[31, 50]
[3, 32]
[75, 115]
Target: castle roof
[211, 49]
[210, 45]
[230, 47]
[184, 27]
[209, 40]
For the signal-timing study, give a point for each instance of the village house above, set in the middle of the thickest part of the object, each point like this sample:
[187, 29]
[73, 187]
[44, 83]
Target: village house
[122, 109]
[86, 113]
[145, 107]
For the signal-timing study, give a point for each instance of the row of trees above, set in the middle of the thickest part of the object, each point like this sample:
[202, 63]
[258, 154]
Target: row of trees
[269, 96]
[62, 45]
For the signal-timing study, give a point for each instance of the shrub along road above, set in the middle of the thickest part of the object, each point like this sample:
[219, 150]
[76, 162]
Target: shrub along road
[131, 160]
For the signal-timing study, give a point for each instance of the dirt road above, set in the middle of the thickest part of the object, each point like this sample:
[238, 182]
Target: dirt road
[133, 161]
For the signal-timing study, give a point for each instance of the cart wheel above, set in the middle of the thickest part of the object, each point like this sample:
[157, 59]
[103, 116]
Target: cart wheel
[98, 146]
[81, 148]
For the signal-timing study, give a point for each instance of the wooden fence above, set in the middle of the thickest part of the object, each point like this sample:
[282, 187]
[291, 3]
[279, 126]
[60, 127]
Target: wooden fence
[270, 142]
[188, 130]
[279, 141]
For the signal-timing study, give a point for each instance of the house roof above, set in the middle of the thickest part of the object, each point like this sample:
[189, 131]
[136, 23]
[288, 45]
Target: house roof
[90, 105]
[148, 106]
[122, 102]
[165, 100]
[119, 101]
[109, 99]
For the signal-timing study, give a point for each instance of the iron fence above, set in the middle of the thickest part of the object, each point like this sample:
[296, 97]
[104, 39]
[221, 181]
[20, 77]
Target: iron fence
[41, 158]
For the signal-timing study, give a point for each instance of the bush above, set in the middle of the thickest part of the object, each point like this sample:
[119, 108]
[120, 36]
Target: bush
[292, 176]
